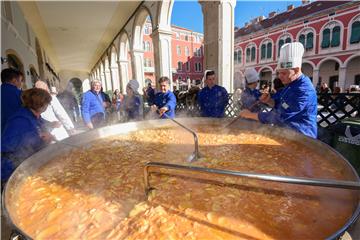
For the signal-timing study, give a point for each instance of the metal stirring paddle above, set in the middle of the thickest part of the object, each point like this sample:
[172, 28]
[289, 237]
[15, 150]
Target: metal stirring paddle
[196, 154]
[265, 177]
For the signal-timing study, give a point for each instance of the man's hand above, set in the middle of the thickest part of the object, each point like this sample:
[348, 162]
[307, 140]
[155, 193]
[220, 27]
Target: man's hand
[163, 110]
[248, 114]
[153, 108]
[90, 125]
[266, 98]
[47, 137]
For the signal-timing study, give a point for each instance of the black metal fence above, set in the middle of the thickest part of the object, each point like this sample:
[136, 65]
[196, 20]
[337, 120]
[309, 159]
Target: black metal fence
[331, 107]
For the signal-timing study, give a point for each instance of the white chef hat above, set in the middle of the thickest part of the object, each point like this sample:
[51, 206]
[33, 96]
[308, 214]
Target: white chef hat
[251, 75]
[290, 56]
[134, 85]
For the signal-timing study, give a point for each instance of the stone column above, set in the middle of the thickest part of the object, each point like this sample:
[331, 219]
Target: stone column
[138, 66]
[111, 77]
[342, 77]
[219, 40]
[124, 74]
[315, 77]
[162, 54]
[115, 76]
[103, 80]
[107, 79]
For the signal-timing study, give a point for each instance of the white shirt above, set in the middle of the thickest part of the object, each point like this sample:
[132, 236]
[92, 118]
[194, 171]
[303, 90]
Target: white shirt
[56, 112]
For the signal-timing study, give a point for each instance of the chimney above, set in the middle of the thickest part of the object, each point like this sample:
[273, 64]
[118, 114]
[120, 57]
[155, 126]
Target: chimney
[272, 14]
[305, 2]
[290, 7]
[260, 18]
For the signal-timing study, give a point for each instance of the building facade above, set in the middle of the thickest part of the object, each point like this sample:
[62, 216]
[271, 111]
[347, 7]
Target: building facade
[329, 31]
[187, 55]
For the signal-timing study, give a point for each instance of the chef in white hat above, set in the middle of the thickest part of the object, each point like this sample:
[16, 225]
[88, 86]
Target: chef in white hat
[296, 106]
[250, 96]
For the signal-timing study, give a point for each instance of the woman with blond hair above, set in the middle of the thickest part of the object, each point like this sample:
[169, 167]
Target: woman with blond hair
[55, 112]
[24, 133]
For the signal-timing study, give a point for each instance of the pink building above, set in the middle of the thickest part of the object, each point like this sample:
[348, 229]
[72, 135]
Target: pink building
[187, 54]
[329, 31]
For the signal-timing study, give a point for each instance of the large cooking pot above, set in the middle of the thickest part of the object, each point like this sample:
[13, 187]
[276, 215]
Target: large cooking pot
[32, 164]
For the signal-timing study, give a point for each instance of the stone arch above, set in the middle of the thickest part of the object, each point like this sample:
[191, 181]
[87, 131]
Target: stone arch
[164, 12]
[266, 75]
[124, 60]
[114, 67]
[329, 71]
[307, 69]
[352, 71]
[137, 36]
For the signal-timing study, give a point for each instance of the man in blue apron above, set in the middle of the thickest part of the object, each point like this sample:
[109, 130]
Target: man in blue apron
[296, 105]
[165, 100]
[213, 98]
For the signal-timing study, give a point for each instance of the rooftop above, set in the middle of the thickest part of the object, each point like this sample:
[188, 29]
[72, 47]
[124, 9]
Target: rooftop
[288, 16]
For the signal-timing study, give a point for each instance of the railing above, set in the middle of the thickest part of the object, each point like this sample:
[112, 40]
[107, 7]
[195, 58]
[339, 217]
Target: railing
[335, 107]
[331, 107]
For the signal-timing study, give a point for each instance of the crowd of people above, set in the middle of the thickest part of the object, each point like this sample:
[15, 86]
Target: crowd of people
[34, 118]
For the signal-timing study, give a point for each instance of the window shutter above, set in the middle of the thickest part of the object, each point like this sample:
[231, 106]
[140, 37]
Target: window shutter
[326, 38]
[302, 39]
[310, 41]
[248, 55]
[235, 56]
[239, 56]
[281, 43]
[355, 32]
[269, 50]
[263, 51]
[288, 40]
[335, 40]
[253, 52]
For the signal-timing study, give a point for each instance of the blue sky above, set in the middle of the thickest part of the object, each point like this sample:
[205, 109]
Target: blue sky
[188, 13]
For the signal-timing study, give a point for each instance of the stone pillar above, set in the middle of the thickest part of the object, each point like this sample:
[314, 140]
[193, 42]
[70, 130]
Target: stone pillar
[107, 79]
[315, 77]
[219, 40]
[103, 80]
[138, 66]
[115, 77]
[124, 74]
[342, 77]
[162, 54]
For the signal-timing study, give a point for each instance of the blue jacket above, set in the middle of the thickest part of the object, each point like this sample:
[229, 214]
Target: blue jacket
[92, 103]
[132, 106]
[249, 99]
[168, 100]
[10, 102]
[295, 107]
[150, 92]
[19, 140]
[213, 101]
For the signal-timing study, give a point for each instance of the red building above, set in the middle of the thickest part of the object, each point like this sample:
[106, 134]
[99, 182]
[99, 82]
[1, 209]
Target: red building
[329, 30]
[187, 54]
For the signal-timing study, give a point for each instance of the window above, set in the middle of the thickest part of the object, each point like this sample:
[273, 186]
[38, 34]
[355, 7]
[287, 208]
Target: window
[302, 39]
[235, 56]
[355, 32]
[266, 50]
[307, 39]
[148, 46]
[186, 38]
[335, 40]
[331, 35]
[248, 55]
[180, 66]
[177, 35]
[178, 50]
[288, 40]
[253, 52]
[239, 55]
[147, 30]
[263, 51]
[187, 53]
[281, 43]
[269, 50]
[326, 38]
[198, 67]
[144, 46]
[188, 66]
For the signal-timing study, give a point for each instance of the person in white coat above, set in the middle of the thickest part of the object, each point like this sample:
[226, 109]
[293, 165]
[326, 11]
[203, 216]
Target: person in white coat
[56, 112]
